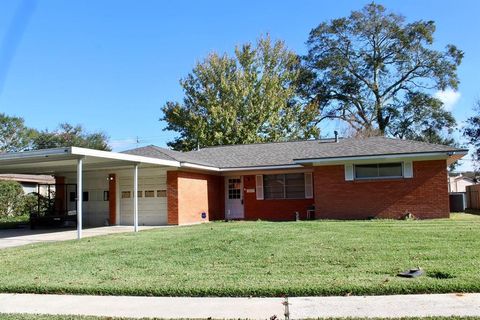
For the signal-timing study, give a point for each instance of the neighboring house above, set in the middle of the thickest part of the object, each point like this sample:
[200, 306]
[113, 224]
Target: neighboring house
[344, 179]
[458, 182]
[29, 182]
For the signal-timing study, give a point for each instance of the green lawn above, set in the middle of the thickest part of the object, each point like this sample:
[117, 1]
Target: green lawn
[13, 222]
[256, 258]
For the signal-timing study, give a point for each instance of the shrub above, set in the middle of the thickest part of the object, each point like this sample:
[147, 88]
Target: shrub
[30, 203]
[12, 199]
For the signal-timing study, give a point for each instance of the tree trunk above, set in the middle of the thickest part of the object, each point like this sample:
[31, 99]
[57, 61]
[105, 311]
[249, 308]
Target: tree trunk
[380, 119]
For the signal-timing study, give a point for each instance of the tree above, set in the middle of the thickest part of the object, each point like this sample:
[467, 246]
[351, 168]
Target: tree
[14, 135]
[11, 198]
[377, 73]
[68, 135]
[472, 133]
[247, 98]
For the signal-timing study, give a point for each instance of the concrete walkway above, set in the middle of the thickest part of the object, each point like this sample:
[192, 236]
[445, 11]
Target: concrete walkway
[20, 237]
[245, 308]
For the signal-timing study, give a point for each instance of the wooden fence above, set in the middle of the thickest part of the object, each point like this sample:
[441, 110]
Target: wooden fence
[473, 196]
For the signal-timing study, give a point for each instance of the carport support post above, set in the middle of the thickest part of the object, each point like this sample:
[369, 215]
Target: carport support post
[135, 197]
[79, 197]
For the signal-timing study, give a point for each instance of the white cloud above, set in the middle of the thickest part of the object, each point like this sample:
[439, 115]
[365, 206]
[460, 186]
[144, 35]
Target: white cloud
[449, 98]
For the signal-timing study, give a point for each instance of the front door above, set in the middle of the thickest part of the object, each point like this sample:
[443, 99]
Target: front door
[234, 198]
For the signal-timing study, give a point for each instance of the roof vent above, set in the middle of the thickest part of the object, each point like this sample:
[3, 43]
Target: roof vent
[336, 135]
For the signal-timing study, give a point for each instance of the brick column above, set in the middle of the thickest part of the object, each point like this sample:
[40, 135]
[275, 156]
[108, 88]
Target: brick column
[112, 199]
[172, 197]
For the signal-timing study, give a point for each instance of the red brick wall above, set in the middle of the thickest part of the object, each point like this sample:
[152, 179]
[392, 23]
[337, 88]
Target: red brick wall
[172, 197]
[275, 210]
[425, 195]
[189, 194]
[112, 199]
[216, 197]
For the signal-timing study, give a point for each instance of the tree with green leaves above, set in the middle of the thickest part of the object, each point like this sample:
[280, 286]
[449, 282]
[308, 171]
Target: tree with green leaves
[247, 98]
[14, 135]
[472, 133]
[12, 199]
[68, 135]
[377, 73]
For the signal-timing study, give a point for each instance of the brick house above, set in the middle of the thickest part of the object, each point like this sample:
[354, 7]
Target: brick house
[321, 179]
[28, 182]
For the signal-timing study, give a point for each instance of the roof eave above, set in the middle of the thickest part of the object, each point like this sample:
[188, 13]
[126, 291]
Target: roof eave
[123, 157]
[451, 155]
[236, 169]
[76, 152]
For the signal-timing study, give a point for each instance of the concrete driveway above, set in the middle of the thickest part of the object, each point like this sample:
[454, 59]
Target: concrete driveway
[19, 237]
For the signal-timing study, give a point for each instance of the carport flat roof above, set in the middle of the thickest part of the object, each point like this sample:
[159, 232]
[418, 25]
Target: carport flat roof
[51, 161]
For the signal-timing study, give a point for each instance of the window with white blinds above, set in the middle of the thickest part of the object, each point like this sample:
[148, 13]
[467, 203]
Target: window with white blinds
[285, 186]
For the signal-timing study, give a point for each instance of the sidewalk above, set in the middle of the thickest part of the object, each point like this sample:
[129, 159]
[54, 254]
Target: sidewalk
[245, 308]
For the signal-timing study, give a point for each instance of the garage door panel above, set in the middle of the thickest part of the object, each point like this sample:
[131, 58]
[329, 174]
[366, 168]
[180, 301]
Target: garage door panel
[152, 210]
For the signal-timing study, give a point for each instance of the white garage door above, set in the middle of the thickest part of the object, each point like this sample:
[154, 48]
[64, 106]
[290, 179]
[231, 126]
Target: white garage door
[152, 201]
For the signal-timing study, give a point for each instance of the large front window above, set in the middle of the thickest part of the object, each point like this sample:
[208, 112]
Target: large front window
[284, 186]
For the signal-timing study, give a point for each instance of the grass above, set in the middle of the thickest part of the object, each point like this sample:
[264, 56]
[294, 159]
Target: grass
[62, 317]
[256, 259]
[13, 222]
[460, 216]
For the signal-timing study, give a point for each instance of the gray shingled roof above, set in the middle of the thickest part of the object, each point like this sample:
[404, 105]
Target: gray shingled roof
[166, 154]
[284, 153]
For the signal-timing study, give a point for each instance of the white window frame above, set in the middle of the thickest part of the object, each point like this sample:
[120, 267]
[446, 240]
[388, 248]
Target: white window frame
[379, 178]
[308, 176]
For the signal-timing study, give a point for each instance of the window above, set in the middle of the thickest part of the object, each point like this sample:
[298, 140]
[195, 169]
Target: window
[161, 193]
[284, 186]
[125, 194]
[140, 194]
[149, 194]
[295, 186]
[378, 170]
[106, 195]
[234, 188]
[73, 196]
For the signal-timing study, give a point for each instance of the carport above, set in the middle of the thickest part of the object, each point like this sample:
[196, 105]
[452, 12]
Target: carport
[79, 160]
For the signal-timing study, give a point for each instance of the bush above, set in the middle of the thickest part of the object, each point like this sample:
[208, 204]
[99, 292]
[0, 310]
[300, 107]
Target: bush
[30, 203]
[12, 199]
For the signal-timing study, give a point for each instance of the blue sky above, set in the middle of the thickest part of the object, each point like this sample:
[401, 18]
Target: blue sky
[111, 64]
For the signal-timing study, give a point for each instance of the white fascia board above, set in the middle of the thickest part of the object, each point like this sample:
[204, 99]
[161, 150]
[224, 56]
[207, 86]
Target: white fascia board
[199, 166]
[288, 166]
[122, 157]
[75, 152]
[209, 168]
[382, 158]
[45, 153]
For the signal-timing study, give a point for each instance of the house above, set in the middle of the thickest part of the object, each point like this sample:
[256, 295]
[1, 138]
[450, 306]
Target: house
[326, 179]
[29, 182]
[458, 182]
